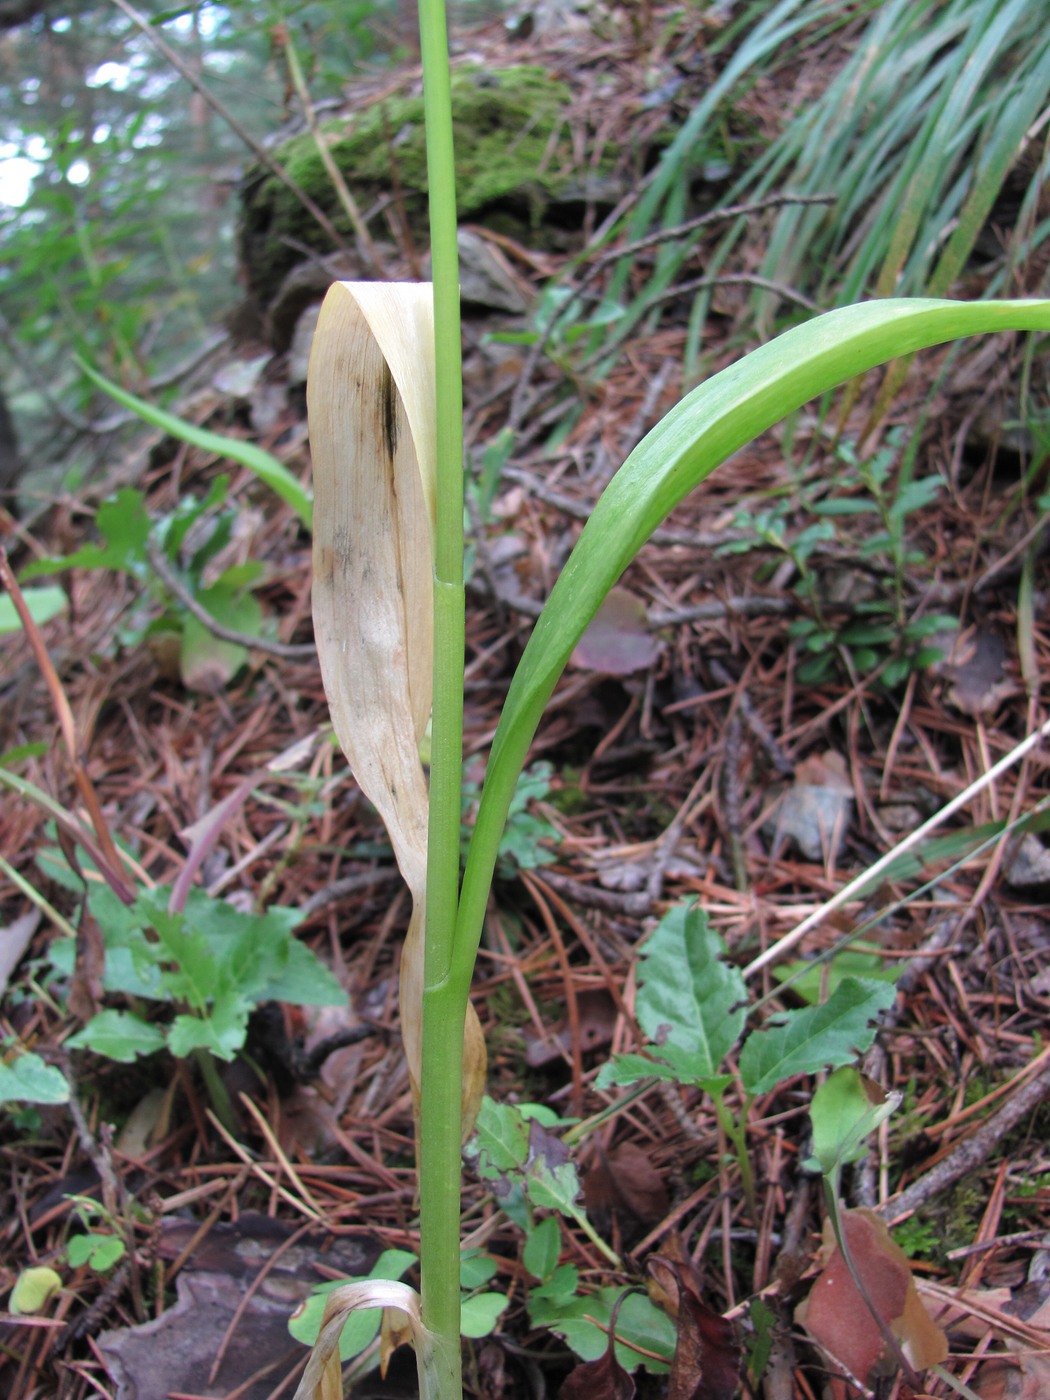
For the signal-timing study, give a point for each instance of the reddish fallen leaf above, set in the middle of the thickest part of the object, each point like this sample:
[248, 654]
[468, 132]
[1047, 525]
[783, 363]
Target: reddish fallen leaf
[1014, 1378]
[707, 1358]
[625, 1180]
[839, 1321]
[618, 641]
[597, 1014]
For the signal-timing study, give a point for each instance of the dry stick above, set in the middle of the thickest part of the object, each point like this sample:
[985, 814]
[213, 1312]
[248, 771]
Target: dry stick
[115, 1199]
[332, 170]
[853, 889]
[161, 567]
[713, 216]
[972, 1152]
[865, 1182]
[258, 151]
[84, 785]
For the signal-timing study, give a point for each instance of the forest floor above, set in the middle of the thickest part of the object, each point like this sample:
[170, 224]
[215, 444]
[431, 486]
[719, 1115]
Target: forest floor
[715, 763]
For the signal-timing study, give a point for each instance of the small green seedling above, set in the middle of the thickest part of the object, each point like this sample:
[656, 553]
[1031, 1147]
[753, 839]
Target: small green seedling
[879, 633]
[189, 539]
[516, 1151]
[692, 1007]
[99, 1251]
[864, 1308]
[208, 966]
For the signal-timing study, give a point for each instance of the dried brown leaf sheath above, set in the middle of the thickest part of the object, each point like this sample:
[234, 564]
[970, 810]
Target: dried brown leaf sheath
[372, 409]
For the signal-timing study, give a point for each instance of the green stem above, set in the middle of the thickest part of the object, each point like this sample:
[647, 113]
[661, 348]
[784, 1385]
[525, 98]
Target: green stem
[217, 1091]
[444, 1002]
[735, 1130]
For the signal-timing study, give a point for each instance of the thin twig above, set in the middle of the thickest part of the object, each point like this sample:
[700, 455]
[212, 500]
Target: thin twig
[261, 154]
[972, 1152]
[162, 568]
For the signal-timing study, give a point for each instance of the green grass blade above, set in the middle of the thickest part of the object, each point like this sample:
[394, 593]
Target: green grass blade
[266, 467]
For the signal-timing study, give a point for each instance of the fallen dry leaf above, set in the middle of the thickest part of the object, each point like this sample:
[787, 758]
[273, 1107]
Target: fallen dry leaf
[814, 812]
[175, 1352]
[625, 1180]
[707, 1357]
[618, 641]
[837, 1318]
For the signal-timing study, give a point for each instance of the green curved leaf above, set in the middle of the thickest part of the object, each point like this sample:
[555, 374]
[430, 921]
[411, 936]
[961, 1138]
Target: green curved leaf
[266, 467]
[701, 432]
[27, 1079]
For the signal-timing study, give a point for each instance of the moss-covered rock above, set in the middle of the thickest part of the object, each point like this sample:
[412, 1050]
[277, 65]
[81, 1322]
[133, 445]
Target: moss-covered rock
[514, 159]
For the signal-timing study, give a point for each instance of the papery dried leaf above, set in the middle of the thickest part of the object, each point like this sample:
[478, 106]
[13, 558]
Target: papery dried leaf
[395, 1331]
[707, 1356]
[372, 406]
[373, 546]
[323, 1369]
[838, 1320]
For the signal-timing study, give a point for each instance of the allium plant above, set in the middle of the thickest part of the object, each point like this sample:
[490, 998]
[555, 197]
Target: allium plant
[385, 405]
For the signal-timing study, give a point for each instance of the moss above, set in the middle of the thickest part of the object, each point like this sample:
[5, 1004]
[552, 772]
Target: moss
[513, 151]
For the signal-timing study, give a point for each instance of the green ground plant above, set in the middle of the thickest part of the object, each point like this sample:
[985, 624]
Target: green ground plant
[189, 539]
[693, 1022]
[191, 967]
[874, 630]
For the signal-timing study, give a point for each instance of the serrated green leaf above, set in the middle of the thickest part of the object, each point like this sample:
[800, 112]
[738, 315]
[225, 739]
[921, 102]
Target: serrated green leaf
[124, 524]
[691, 1003]
[628, 1069]
[816, 1038]
[222, 1032]
[551, 1179]
[501, 1140]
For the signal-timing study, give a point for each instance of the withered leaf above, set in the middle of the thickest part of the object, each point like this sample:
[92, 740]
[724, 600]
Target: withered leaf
[838, 1320]
[707, 1356]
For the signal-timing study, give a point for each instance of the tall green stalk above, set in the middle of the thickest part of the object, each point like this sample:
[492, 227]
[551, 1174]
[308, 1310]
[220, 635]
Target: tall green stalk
[443, 1005]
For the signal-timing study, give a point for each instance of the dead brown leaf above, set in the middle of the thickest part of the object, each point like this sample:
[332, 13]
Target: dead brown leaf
[707, 1357]
[840, 1322]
